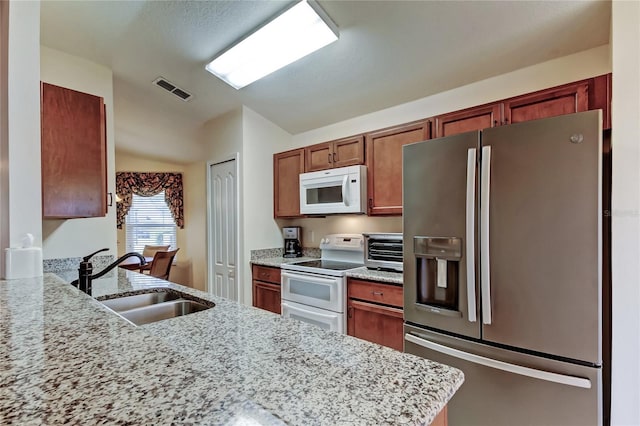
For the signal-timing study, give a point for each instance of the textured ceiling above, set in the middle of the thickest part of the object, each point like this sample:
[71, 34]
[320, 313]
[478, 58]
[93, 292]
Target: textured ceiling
[389, 52]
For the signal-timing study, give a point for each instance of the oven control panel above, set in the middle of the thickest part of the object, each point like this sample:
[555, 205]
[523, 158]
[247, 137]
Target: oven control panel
[342, 242]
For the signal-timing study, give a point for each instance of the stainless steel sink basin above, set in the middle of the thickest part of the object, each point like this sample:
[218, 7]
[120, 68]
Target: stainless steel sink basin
[155, 304]
[126, 303]
[162, 311]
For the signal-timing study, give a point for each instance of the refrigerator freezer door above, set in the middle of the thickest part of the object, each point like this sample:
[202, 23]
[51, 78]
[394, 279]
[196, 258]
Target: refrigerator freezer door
[439, 197]
[503, 387]
[544, 236]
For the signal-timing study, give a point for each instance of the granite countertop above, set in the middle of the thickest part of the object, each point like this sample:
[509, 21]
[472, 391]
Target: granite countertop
[65, 358]
[375, 275]
[277, 261]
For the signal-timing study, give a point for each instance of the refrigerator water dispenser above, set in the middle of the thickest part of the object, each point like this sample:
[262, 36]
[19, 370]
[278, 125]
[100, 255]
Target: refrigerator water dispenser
[437, 265]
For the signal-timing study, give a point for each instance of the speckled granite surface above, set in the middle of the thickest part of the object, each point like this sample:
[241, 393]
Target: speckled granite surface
[72, 263]
[310, 252]
[277, 261]
[375, 275]
[65, 358]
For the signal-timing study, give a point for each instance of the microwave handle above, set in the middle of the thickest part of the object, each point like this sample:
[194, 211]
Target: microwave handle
[345, 190]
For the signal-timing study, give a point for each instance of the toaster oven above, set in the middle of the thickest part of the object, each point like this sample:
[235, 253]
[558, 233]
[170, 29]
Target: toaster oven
[383, 251]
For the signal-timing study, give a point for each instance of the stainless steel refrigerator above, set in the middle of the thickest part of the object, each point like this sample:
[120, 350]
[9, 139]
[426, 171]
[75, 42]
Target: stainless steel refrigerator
[503, 265]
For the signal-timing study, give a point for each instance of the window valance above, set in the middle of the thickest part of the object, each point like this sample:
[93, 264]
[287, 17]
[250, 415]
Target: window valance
[147, 185]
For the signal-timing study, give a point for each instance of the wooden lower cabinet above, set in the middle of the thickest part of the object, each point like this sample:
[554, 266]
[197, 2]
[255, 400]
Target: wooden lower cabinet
[441, 418]
[370, 316]
[266, 288]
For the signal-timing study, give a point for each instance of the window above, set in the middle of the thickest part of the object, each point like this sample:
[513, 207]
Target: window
[149, 221]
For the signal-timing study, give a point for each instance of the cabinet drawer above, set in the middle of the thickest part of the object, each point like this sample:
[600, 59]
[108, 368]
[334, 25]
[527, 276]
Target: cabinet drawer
[375, 292]
[267, 274]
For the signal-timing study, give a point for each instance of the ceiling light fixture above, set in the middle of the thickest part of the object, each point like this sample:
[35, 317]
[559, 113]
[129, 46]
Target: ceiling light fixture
[298, 31]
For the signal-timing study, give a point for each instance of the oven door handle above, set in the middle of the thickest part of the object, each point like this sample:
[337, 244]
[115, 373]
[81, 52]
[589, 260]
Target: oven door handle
[308, 277]
[288, 308]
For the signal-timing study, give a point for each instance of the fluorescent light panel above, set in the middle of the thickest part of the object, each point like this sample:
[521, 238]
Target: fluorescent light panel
[294, 34]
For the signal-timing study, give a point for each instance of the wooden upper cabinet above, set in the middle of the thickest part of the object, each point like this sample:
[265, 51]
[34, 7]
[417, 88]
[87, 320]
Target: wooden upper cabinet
[73, 154]
[318, 157]
[287, 167]
[384, 165]
[467, 120]
[561, 100]
[340, 153]
[600, 97]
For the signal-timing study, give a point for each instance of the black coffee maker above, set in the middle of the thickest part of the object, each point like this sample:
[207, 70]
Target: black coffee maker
[292, 241]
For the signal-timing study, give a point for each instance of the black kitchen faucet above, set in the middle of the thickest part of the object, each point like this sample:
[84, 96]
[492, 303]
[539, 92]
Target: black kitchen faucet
[86, 268]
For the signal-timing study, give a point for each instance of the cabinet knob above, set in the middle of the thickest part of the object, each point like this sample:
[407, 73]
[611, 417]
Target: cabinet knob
[329, 157]
[334, 157]
[377, 293]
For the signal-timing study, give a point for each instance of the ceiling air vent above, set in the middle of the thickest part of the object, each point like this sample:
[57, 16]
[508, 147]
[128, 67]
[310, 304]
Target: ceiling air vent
[170, 87]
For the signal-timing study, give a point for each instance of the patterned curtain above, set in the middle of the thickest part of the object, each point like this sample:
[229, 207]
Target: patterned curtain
[147, 185]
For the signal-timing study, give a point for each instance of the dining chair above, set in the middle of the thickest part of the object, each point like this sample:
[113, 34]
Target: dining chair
[161, 264]
[150, 251]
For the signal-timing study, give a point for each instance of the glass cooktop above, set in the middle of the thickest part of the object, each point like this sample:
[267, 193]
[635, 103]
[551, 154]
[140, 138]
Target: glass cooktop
[329, 264]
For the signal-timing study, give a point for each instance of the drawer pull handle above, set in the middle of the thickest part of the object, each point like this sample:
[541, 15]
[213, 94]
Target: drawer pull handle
[377, 293]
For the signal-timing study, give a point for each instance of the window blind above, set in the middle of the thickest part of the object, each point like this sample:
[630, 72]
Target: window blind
[149, 221]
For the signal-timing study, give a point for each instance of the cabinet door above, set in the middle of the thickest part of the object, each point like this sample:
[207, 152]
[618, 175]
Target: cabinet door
[266, 296]
[375, 323]
[384, 165]
[470, 119]
[348, 151]
[287, 167]
[318, 157]
[561, 100]
[73, 150]
[266, 274]
[386, 294]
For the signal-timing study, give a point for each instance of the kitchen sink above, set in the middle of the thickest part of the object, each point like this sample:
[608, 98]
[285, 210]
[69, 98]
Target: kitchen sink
[126, 303]
[155, 305]
[162, 311]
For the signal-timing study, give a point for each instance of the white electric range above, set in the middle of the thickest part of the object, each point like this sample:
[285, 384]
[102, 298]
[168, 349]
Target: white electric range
[315, 291]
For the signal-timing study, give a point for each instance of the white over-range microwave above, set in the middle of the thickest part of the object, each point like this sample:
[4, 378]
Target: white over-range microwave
[341, 190]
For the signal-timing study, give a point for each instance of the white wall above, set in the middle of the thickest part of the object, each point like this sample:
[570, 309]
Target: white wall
[78, 237]
[148, 128]
[625, 409]
[195, 216]
[261, 139]
[21, 146]
[570, 68]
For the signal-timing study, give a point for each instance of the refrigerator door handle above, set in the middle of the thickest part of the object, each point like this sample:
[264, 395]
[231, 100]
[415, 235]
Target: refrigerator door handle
[470, 230]
[485, 273]
[548, 376]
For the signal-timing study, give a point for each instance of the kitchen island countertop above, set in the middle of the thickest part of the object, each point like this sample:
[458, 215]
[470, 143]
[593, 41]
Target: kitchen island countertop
[65, 358]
